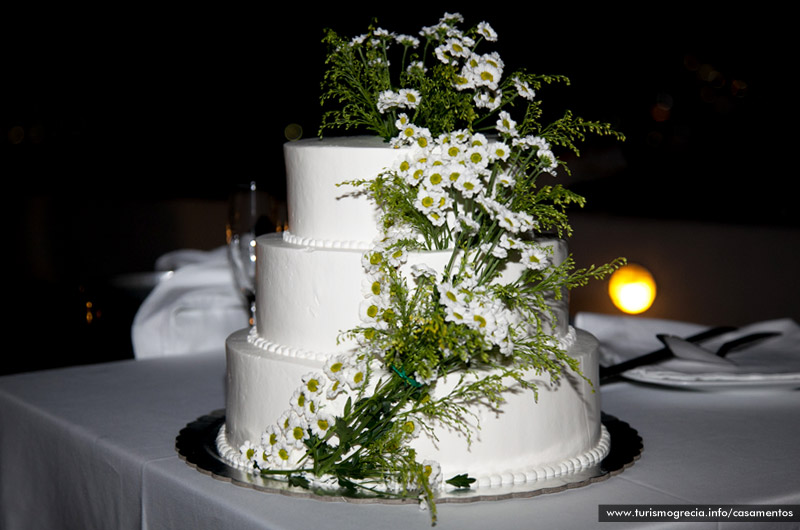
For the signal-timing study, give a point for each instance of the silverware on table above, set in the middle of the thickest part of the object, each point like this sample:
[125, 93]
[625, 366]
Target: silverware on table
[610, 373]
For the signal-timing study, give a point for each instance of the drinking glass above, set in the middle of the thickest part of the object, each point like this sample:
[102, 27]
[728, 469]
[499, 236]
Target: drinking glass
[248, 218]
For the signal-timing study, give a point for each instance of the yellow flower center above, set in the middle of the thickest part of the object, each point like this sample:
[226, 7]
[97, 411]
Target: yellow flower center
[297, 432]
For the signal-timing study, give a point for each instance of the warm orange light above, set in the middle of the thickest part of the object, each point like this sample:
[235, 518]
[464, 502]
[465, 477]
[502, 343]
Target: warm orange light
[632, 289]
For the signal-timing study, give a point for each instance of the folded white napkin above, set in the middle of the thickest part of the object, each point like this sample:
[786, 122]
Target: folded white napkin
[622, 338]
[191, 310]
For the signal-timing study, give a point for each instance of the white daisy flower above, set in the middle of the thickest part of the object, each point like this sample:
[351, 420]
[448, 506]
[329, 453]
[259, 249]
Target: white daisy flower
[508, 243]
[270, 438]
[388, 99]
[416, 67]
[335, 388]
[535, 257]
[397, 256]
[421, 270]
[486, 31]
[249, 451]
[297, 433]
[495, 250]
[285, 455]
[457, 314]
[524, 89]
[298, 402]
[372, 261]
[505, 179]
[489, 100]
[358, 39]
[321, 424]
[482, 319]
[356, 376]
[478, 156]
[411, 427]
[458, 47]
[334, 368]
[401, 121]
[499, 151]
[443, 53]
[508, 219]
[428, 199]
[434, 177]
[469, 184]
[451, 19]
[432, 472]
[482, 71]
[313, 383]
[407, 40]
[408, 98]
[373, 285]
[506, 125]
[371, 311]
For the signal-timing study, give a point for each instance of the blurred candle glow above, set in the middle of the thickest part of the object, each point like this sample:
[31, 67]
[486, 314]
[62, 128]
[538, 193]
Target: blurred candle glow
[632, 289]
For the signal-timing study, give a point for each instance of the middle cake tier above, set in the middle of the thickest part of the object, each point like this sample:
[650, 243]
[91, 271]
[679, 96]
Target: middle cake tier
[307, 296]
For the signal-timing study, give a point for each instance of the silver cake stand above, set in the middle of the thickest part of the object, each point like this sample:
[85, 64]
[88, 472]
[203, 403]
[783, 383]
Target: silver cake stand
[196, 445]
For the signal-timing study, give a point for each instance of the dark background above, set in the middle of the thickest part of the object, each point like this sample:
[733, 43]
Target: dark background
[125, 128]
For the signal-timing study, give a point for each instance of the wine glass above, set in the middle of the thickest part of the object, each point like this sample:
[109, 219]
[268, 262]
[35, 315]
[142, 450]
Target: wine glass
[248, 218]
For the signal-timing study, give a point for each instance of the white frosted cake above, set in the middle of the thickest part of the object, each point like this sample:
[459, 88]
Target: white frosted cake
[309, 291]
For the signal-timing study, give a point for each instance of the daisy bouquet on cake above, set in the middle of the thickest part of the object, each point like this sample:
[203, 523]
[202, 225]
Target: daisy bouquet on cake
[456, 288]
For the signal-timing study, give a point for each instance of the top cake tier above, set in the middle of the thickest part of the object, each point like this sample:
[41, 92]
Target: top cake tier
[322, 213]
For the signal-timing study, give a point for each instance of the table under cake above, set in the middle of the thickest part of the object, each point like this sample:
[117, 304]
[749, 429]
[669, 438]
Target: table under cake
[94, 447]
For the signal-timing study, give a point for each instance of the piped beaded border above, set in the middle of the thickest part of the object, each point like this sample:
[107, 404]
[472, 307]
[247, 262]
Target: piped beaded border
[292, 239]
[527, 475]
[286, 351]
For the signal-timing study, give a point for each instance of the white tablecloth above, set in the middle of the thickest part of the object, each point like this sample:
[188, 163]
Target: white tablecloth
[94, 447]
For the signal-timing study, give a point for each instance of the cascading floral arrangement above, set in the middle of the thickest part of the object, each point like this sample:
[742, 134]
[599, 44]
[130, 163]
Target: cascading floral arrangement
[467, 193]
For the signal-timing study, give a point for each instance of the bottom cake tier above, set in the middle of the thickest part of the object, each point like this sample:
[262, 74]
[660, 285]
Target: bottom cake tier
[527, 440]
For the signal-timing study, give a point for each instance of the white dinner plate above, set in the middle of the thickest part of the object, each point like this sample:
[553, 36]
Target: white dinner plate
[715, 382]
